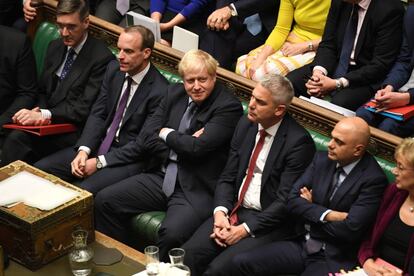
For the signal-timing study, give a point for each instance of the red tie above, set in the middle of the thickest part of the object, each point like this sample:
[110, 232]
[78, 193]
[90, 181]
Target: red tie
[233, 216]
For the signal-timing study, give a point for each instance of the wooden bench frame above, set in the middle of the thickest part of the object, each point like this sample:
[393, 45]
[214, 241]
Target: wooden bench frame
[307, 114]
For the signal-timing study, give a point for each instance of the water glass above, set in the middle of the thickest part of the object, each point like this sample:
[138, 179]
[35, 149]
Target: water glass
[176, 255]
[152, 260]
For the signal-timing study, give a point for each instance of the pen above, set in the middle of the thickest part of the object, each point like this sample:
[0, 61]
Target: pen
[307, 77]
[380, 110]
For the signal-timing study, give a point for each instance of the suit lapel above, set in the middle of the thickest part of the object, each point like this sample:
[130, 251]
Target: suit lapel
[143, 89]
[363, 31]
[320, 192]
[247, 149]
[74, 73]
[178, 108]
[115, 95]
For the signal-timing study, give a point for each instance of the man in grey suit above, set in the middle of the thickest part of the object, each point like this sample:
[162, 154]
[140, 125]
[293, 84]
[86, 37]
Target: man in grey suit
[111, 124]
[73, 71]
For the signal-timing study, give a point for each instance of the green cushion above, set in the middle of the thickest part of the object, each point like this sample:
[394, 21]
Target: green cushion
[145, 227]
[44, 35]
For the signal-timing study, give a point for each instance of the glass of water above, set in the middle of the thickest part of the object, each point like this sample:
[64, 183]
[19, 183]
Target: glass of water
[176, 255]
[152, 260]
[80, 258]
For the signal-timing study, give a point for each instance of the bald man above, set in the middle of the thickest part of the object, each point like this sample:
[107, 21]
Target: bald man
[335, 201]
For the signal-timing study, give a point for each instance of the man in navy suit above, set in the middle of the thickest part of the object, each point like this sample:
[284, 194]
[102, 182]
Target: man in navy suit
[188, 138]
[90, 161]
[334, 202]
[68, 86]
[360, 43]
[229, 37]
[269, 151]
[398, 88]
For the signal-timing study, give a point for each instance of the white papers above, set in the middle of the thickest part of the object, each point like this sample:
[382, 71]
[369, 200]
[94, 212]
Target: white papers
[333, 107]
[34, 191]
[134, 18]
[165, 270]
[184, 40]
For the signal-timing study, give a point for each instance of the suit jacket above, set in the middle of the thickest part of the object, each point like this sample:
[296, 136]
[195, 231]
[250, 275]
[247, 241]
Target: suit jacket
[359, 195]
[200, 160]
[267, 9]
[291, 152]
[404, 66]
[70, 100]
[143, 104]
[378, 42]
[18, 79]
[390, 207]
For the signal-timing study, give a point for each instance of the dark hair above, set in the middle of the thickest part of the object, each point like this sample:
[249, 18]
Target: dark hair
[147, 36]
[73, 6]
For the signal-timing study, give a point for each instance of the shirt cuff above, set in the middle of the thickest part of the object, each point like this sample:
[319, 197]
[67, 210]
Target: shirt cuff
[221, 208]
[234, 8]
[46, 114]
[248, 230]
[322, 218]
[344, 81]
[103, 161]
[164, 133]
[85, 149]
[320, 68]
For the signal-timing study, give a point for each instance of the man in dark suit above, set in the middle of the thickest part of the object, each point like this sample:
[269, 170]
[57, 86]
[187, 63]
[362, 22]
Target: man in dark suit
[229, 36]
[335, 200]
[251, 194]
[111, 124]
[18, 80]
[398, 87]
[189, 134]
[359, 45]
[73, 71]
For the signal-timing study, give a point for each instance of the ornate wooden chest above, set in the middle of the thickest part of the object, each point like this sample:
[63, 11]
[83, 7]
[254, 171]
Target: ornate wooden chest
[33, 237]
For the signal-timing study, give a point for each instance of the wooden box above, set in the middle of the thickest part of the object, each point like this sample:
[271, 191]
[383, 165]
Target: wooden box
[33, 237]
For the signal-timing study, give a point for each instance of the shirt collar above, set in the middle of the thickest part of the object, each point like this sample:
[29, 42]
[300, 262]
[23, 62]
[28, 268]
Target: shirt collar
[364, 4]
[78, 48]
[138, 77]
[271, 130]
[348, 168]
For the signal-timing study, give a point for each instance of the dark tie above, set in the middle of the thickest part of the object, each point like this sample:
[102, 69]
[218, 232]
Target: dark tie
[335, 182]
[252, 165]
[347, 44]
[170, 177]
[110, 135]
[68, 63]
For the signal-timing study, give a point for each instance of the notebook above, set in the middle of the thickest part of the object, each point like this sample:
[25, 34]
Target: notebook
[184, 40]
[133, 18]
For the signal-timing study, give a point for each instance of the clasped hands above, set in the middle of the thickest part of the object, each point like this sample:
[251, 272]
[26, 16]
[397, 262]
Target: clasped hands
[373, 269]
[319, 85]
[387, 98]
[30, 117]
[225, 234]
[219, 19]
[82, 166]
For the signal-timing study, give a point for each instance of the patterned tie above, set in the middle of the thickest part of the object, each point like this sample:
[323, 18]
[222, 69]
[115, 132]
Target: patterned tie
[170, 177]
[68, 63]
[347, 44]
[252, 165]
[122, 6]
[253, 24]
[335, 183]
[110, 135]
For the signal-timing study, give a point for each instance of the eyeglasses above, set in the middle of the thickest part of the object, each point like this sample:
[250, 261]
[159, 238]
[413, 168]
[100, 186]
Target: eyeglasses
[69, 27]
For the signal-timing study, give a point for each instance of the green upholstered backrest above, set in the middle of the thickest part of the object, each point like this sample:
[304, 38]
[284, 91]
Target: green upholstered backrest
[44, 35]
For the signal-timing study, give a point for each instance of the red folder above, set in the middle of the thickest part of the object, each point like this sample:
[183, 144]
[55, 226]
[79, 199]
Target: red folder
[398, 113]
[44, 130]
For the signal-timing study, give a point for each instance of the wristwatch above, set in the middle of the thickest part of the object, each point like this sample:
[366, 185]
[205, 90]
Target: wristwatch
[233, 12]
[99, 164]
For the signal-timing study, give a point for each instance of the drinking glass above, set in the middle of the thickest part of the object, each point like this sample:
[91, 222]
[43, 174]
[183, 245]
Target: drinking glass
[80, 257]
[176, 255]
[152, 260]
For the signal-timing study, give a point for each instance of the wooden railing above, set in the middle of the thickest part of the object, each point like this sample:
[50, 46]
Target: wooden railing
[307, 114]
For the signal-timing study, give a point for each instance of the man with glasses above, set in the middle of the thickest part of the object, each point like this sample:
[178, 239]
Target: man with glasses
[73, 71]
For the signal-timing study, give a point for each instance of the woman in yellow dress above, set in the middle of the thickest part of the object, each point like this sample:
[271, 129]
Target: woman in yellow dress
[292, 43]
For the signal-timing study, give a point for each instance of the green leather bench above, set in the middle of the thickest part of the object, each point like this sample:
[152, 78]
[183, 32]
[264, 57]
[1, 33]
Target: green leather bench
[144, 227]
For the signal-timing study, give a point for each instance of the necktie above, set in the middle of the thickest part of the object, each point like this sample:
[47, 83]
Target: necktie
[110, 135]
[68, 63]
[335, 183]
[253, 24]
[122, 6]
[170, 177]
[233, 216]
[347, 44]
